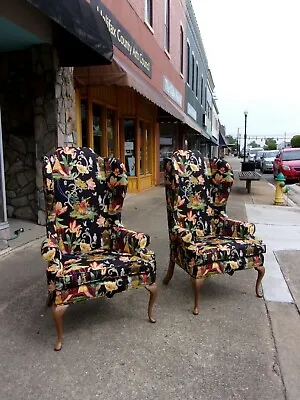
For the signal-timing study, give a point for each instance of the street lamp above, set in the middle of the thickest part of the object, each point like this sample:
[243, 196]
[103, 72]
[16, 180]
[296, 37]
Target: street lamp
[238, 142]
[245, 134]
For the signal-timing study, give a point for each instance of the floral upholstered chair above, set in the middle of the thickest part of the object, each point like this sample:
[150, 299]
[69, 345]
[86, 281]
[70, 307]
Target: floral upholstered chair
[203, 240]
[89, 252]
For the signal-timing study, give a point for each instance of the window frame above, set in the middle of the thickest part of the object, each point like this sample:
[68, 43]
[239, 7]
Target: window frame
[149, 13]
[197, 80]
[193, 71]
[167, 36]
[181, 50]
[188, 63]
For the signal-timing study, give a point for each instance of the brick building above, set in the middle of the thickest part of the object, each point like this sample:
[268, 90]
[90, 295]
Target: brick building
[150, 100]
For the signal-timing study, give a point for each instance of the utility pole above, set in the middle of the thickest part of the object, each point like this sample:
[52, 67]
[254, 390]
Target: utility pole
[245, 134]
[284, 140]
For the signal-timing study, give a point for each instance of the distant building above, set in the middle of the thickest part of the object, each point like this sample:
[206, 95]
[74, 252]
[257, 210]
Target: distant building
[283, 145]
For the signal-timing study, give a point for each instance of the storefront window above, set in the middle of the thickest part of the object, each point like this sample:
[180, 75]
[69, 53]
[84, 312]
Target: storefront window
[148, 149]
[110, 133]
[143, 149]
[97, 128]
[129, 135]
[84, 123]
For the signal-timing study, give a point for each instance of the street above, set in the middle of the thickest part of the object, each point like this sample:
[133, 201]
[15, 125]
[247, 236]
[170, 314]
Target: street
[239, 347]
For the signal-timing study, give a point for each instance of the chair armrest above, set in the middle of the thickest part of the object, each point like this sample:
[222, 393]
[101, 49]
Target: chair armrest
[233, 228]
[127, 241]
[51, 252]
[183, 234]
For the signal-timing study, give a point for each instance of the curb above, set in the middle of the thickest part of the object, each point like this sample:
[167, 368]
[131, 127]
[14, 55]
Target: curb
[9, 250]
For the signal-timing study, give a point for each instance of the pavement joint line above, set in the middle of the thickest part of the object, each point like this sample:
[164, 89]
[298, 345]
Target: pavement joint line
[6, 252]
[275, 287]
[273, 224]
[277, 298]
[276, 362]
[294, 301]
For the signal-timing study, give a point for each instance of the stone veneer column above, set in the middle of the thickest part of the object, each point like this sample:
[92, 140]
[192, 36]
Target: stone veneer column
[54, 111]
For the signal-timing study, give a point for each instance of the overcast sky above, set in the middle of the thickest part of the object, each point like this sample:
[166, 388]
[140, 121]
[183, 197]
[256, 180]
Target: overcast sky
[253, 50]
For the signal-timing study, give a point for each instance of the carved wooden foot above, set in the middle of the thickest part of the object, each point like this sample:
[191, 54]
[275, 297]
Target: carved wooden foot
[152, 289]
[58, 312]
[170, 272]
[197, 283]
[261, 272]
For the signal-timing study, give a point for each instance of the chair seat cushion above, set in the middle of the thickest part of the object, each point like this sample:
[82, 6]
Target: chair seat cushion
[102, 266]
[210, 249]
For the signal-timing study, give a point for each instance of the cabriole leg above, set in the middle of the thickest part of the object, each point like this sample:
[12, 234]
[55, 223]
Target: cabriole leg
[152, 289]
[197, 283]
[170, 272]
[261, 272]
[57, 313]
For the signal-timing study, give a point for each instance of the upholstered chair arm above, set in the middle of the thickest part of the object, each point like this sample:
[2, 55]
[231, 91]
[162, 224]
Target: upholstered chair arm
[51, 252]
[127, 241]
[225, 226]
[179, 233]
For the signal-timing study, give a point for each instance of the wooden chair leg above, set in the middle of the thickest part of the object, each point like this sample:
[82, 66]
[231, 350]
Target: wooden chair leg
[170, 272]
[261, 272]
[57, 313]
[197, 283]
[152, 289]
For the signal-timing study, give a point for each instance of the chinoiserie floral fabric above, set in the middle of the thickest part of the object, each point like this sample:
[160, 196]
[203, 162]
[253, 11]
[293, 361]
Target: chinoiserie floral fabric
[88, 250]
[203, 240]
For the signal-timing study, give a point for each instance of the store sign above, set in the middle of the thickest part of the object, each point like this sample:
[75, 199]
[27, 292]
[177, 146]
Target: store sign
[191, 111]
[171, 91]
[123, 40]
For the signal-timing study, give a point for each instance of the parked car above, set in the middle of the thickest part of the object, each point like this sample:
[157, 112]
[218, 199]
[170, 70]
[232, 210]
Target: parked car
[266, 163]
[257, 159]
[287, 161]
[252, 154]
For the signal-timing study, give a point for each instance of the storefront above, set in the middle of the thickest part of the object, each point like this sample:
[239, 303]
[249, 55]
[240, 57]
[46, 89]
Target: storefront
[40, 42]
[118, 121]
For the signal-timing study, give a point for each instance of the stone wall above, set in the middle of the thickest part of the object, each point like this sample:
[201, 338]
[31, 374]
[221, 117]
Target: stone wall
[18, 134]
[54, 111]
[38, 114]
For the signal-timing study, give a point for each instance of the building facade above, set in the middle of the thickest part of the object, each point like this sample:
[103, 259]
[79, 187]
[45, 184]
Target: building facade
[199, 85]
[151, 97]
[37, 96]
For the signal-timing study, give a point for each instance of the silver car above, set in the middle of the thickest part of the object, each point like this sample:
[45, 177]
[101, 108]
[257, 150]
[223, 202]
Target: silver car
[267, 160]
[252, 153]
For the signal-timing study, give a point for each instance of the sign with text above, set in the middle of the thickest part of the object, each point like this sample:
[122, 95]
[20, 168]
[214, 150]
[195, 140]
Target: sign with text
[191, 111]
[123, 40]
[171, 91]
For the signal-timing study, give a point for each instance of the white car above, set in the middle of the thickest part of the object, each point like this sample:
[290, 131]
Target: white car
[267, 160]
[253, 152]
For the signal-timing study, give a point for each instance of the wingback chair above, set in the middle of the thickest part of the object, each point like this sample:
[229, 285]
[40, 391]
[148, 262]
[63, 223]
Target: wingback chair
[203, 240]
[89, 252]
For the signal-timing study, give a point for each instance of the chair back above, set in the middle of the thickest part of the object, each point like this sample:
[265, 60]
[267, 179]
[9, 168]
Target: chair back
[196, 190]
[222, 181]
[84, 194]
[187, 184]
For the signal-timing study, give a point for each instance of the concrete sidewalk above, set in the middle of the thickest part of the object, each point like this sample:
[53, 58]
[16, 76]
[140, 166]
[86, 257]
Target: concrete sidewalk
[234, 349]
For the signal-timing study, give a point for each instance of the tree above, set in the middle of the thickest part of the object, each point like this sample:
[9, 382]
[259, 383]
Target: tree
[295, 141]
[253, 144]
[232, 141]
[270, 144]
